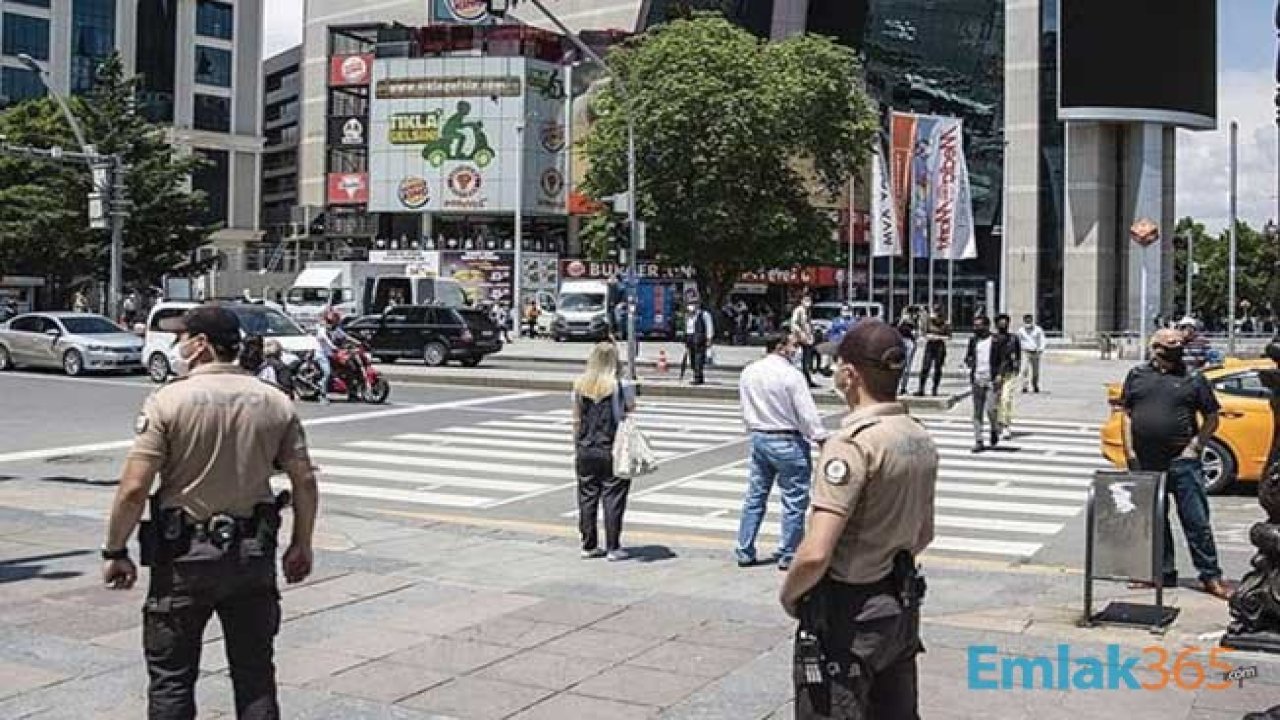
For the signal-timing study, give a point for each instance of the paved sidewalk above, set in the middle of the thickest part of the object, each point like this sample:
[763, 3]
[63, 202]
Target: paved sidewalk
[414, 618]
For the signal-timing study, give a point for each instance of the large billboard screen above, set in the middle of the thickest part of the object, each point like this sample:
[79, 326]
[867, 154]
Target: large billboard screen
[456, 135]
[1139, 60]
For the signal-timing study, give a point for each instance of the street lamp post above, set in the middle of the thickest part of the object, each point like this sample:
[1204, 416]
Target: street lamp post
[109, 187]
[518, 271]
[499, 8]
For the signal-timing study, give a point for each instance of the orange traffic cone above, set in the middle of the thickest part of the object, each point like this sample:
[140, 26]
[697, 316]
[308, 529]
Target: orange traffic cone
[662, 361]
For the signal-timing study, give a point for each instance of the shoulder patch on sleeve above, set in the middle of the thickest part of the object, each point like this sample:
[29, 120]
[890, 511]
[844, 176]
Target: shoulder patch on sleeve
[141, 424]
[836, 472]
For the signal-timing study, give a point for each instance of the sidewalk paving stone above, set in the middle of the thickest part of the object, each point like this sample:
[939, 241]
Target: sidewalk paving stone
[640, 686]
[600, 645]
[453, 656]
[471, 698]
[299, 666]
[381, 681]
[736, 635]
[16, 678]
[544, 670]
[754, 690]
[569, 706]
[513, 632]
[567, 612]
[693, 660]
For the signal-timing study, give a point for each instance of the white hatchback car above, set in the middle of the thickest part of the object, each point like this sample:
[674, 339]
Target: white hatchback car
[255, 319]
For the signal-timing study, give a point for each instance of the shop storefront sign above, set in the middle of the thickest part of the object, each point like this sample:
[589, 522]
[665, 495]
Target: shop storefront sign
[603, 270]
[448, 87]
[350, 70]
[418, 128]
[348, 188]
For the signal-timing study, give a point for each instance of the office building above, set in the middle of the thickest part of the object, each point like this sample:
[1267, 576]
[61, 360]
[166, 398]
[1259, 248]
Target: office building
[281, 121]
[201, 64]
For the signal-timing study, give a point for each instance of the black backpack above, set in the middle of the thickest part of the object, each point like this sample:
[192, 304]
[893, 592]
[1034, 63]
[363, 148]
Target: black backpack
[597, 426]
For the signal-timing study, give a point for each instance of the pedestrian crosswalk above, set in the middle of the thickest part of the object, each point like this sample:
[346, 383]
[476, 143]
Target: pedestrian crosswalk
[1003, 504]
[508, 459]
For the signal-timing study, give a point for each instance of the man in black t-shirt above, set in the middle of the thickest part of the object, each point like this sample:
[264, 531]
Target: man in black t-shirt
[1162, 433]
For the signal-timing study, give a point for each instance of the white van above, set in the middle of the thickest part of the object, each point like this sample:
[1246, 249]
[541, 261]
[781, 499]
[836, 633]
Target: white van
[254, 320]
[583, 310]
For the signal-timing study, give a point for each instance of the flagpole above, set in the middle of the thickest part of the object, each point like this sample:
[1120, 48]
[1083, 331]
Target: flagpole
[911, 274]
[929, 295]
[951, 280]
[849, 294]
[893, 260]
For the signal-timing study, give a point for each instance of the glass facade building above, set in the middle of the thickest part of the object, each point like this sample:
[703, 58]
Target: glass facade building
[18, 84]
[215, 19]
[93, 38]
[26, 34]
[157, 43]
[213, 66]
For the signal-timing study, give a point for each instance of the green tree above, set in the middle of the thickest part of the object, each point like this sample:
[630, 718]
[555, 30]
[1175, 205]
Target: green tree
[44, 228]
[1257, 269]
[732, 135]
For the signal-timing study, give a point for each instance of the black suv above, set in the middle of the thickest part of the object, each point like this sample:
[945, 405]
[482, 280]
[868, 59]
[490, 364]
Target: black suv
[435, 334]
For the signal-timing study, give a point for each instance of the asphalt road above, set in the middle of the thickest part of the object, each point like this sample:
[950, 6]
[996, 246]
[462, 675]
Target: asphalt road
[503, 459]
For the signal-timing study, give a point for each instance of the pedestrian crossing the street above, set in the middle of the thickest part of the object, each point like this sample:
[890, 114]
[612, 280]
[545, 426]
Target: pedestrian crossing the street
[508, 459]
[1000, 504]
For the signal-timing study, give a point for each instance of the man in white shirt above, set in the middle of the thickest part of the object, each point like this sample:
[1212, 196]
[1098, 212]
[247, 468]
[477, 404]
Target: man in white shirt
[802, 331]
[783, 420]
[699, 333]
[984, 379]
[1031, 338]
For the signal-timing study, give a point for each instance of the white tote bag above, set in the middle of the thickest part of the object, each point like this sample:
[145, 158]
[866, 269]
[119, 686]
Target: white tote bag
[632, 454]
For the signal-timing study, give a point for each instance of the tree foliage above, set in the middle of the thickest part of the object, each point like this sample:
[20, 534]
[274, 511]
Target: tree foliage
[731, 136]
[1257, 270]
[44, 226]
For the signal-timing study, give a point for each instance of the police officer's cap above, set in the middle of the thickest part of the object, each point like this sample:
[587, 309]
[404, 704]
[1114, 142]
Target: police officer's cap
[876, 345]
[215, 322]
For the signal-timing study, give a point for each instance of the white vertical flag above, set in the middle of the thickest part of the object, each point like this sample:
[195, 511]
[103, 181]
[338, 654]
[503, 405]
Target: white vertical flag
[885, 240]
[953, 230]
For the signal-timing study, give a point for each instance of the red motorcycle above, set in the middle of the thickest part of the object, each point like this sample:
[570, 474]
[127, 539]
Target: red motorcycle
[353, 376]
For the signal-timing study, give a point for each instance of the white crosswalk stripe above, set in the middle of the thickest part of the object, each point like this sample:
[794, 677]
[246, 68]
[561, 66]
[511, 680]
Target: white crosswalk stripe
[495, 462]
[999, 504]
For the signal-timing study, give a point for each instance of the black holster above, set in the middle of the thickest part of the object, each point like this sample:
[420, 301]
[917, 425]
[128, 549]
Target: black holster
[907, 579]
[169, 534]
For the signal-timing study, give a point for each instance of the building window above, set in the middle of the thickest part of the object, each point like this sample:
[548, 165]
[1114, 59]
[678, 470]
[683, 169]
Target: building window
[23, 34]
[93, 38]
[213, 113]
[17, 85]
[214, 19]
[348, 160]
[212, 179]
[32, 3]
[213, 66]
[154, 58]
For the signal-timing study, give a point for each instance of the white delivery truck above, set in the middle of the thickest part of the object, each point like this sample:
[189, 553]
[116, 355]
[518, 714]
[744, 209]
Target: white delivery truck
[584, 309]
[364, 288]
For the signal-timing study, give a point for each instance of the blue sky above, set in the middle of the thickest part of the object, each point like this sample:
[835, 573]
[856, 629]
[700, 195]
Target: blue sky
[1246, 88]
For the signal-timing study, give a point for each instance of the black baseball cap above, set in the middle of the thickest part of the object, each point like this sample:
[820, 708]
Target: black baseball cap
[215, 322]
[874, 344]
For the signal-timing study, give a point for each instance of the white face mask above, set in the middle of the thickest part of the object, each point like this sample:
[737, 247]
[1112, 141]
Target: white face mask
[181, 362]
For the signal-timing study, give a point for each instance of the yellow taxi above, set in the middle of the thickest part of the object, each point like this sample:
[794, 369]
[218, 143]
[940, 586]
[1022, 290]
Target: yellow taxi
[1238, 450]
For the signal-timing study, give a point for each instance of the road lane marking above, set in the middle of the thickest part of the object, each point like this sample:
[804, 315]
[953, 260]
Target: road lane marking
[431, 462]
[46, 453]
[423, 479]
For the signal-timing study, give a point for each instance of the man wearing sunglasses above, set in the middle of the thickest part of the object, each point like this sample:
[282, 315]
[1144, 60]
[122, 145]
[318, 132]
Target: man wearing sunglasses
[214, 438]
[1170, 413]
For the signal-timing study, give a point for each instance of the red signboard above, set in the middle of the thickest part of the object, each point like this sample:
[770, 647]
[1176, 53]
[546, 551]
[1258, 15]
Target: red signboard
[348, 188]
[795, 277]
[604, 270]
[348, 70]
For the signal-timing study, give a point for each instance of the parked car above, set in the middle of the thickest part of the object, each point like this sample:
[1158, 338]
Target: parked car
[437, 334]
[1238, 450]
[254, 319]
[76, 342]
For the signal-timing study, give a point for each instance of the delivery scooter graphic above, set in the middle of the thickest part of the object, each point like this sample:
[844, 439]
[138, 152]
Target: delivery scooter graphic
[460, 139]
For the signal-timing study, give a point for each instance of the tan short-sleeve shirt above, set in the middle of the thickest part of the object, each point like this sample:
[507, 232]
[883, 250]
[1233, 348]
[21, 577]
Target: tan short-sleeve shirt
[878, 472]
[218, 435]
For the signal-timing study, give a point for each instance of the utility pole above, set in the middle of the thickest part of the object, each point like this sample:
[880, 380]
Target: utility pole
[108, 184]
[499, 8]
[1231, 252]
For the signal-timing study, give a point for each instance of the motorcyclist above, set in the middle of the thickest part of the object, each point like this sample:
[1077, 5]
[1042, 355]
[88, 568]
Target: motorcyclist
[329, 339]
[275, 369]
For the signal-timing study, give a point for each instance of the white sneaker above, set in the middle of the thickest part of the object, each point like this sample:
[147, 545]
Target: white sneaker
[1007, 434]
[592, 554]
[617, 555]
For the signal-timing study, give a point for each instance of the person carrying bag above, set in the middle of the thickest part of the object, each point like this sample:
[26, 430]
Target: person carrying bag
[600, 405]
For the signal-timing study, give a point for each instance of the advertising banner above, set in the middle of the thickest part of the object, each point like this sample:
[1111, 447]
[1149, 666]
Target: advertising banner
[483, 275]
[541, 274]
[921, 201]
[902, 143]
[885, 240]
[463, 12]
[469, 135]
[348, 131]
[350, 70]
[348, 188]
[950, 201]
[603, 270]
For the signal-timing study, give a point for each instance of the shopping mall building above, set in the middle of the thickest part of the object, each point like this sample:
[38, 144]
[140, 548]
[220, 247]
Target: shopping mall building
[424, 125]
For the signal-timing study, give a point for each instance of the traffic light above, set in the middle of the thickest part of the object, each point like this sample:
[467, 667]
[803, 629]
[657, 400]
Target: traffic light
[620, 234]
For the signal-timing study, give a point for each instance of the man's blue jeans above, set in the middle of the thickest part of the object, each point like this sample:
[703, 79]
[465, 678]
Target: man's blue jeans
[1185, 486]
[783, 459]
[326, 372]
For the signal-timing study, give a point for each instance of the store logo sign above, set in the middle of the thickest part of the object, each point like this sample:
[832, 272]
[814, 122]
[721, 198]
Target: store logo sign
[414, 192]
[465, 181]
[552, 182]
[471, 12]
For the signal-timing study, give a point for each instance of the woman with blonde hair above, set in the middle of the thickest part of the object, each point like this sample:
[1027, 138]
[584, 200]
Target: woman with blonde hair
[600, 402]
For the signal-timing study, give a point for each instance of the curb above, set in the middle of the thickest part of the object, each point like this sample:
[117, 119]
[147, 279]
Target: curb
[643, 388]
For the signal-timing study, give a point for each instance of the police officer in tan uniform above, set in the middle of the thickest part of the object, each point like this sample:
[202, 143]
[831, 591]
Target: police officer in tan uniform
[213, 438]
[853, 584]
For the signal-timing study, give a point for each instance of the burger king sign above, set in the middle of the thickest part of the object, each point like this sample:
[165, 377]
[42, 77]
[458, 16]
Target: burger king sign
[468, 12]
[346, 70]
